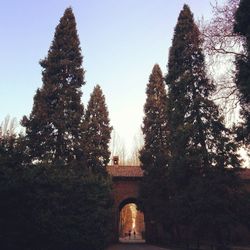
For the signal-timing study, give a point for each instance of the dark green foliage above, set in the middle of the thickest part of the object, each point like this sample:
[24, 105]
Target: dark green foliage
[154, 153]
[199, 139]
[199, 143]
[54, 208]
[242, 27]
[242, 19]
[53, 127]
[51, 207]
[194, 119]
[98, 132]
[155, 124]
[12, 151]
[212, 204]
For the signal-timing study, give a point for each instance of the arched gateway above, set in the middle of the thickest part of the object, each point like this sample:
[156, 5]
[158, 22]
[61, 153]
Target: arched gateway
[126, 181]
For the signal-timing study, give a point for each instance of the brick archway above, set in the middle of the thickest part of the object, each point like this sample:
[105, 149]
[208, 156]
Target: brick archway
[127, 201]
[126, 182]
[121, 231]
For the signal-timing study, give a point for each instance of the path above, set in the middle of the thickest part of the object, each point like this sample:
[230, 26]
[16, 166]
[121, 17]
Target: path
[134, 247]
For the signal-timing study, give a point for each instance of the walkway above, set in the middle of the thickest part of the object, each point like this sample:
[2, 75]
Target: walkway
[134, 247]
[127, 240]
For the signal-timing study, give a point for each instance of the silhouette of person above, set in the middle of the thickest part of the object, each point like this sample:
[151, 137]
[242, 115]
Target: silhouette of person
[134, 234]
[129, 234]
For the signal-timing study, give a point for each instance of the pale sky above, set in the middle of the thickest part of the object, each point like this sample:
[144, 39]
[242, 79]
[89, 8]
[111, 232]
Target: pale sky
[121, 40]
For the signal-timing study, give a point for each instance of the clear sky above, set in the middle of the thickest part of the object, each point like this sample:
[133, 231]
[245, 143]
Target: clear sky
[121, 40]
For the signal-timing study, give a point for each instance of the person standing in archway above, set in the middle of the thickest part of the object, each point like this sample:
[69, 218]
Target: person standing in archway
[129, 234]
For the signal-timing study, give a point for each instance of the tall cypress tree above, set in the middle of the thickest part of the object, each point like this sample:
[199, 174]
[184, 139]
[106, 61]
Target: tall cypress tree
[155, 123]
[242, 27]
[53, 127]
[154, 154]
[98, 132]
[198, 135]
[201, 147]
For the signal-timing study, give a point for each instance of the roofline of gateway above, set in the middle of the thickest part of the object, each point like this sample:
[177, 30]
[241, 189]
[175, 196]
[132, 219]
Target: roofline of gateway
[123, 171]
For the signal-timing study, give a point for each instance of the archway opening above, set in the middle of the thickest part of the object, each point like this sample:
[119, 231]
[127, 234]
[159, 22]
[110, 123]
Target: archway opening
[131, 223]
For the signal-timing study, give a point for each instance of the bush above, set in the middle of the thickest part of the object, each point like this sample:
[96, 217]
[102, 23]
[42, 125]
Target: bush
[54, 208]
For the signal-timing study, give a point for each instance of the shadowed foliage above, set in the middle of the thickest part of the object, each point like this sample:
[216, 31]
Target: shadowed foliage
[242, 27]
[98, 132]
[203, 151]
[154, 154]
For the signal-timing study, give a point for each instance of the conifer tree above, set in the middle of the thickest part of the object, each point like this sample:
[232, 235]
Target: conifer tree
[200, 145]
[198, 135]
[155, 124]
[154, 154]
[242, 27]
[53, 127]
[98, 132]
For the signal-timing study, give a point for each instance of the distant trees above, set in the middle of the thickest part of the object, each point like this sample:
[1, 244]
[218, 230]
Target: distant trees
[138, 142]
[98, 132]
[53, 127]
[140, 224]
[126, 220]
[126, 158]
[8, 126]
[117, 148]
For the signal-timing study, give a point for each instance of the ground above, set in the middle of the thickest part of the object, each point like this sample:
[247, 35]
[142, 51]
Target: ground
[134, 247]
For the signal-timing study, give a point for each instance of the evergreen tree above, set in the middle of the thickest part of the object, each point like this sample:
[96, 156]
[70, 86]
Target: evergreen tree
[53, 127]
[154, 153]
[242, 27]
[155, 124]
[200, 144]
[198, 135]
[98, 132]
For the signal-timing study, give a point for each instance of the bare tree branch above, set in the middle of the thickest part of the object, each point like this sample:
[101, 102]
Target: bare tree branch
[221, 46]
